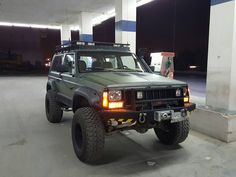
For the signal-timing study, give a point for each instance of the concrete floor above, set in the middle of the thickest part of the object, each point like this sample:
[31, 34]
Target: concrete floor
[32, 147]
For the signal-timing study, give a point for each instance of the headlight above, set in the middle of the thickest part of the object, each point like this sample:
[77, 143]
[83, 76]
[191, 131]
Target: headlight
[186, 91]
[112, 100]
[178, 92]
[114, 96]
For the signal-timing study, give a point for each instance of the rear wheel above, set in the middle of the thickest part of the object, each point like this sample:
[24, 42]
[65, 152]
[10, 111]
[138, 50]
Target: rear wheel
[88, 135]
[172, 133]
[53, 110]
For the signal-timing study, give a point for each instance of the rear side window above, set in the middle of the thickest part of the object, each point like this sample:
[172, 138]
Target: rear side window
[57, 62]
[69, 63]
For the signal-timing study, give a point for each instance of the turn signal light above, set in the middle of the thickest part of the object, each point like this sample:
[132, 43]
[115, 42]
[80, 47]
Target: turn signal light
[110, 105]
[115, 105]
[186, 99]
[105, 99]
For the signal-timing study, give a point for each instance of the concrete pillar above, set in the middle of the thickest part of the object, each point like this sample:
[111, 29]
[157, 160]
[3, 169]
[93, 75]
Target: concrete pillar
[86, 26]
[126, 22]
[65, 34]
[221, 74]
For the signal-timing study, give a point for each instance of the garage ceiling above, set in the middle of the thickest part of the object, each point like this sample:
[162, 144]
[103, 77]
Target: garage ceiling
[50, 12]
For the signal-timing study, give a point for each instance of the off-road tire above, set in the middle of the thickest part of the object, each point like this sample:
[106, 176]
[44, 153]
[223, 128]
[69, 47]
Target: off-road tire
[53, 110]
[88, 135]
[172, 133]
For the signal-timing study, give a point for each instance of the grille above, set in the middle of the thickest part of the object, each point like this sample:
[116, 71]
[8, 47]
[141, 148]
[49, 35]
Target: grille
[153, 99]
[159, 94]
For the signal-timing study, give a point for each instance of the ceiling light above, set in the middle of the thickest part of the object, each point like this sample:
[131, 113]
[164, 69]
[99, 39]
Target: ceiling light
[29, 25]
[142, 2]
[112, 13]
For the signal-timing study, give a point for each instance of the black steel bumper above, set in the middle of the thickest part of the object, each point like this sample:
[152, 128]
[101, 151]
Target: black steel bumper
[127, 114]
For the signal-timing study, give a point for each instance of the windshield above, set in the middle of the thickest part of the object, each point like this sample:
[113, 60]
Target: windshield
[109, 62]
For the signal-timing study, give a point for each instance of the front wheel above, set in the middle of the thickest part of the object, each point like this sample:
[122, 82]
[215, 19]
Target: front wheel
[53, 110]
[172, 133]
[88, 135]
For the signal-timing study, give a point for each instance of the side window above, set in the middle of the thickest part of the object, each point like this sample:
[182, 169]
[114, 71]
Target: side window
[69, 63]
[128, 61]
[57, 62]
[88, 60]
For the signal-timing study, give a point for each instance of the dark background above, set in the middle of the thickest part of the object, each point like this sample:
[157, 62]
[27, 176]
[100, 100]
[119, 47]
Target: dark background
[181, 26]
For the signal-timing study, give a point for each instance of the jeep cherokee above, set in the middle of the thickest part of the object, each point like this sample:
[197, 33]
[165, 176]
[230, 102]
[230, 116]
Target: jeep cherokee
[110, 89]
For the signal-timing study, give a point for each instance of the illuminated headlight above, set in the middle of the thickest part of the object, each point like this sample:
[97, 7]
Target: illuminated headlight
[139, 95]
[178, 93]
[185, 91]
[114, 95]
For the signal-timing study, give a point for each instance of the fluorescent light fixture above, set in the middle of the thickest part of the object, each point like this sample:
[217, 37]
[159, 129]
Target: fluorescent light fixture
[104, 17]
[193, 67]
[29, 25]
[142, 2]
[112, 13]
[75, 28]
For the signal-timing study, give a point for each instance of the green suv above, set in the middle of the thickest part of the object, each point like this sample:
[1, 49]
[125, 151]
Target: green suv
[110, 89]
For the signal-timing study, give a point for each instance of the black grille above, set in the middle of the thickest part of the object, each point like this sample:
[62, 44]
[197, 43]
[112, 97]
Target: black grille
[159, 94]
[153, 99]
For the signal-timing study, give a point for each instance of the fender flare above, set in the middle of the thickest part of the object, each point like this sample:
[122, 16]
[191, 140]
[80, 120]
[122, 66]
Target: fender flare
[90, 96]
[51, 85]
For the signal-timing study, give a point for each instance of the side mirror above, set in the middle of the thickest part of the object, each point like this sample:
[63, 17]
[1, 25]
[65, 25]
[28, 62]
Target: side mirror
[62, 69]
[152, 68]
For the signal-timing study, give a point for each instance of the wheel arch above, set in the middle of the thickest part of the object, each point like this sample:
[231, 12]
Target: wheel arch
[50, 85]
[85, 97]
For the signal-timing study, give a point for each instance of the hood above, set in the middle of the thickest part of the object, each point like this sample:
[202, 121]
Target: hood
[128, 79]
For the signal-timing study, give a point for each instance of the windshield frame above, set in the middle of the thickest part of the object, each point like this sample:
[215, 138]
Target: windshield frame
[145, 68]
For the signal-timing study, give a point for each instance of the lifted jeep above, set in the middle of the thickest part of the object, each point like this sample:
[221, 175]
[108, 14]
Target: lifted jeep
[110, 89]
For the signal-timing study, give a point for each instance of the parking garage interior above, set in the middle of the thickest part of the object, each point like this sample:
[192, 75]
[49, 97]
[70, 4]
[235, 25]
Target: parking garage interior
[204, 59]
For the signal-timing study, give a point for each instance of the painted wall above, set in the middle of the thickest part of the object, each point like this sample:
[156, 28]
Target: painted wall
[32, 44]
[221, 77]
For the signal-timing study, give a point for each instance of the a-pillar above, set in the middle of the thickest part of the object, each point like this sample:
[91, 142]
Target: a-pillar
[86, 26]
[221, 73]
[65, 34]
[126, 22]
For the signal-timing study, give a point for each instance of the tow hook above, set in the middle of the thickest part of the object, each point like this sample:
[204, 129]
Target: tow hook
[142, 118]
[184, 113]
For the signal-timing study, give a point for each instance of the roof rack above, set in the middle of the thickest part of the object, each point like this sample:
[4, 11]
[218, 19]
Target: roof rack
[72, 45]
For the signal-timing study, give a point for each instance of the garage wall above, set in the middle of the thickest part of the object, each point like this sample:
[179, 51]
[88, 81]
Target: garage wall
[33, 45]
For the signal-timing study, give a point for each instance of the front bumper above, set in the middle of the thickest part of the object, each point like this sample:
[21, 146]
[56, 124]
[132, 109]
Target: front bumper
[135, 115]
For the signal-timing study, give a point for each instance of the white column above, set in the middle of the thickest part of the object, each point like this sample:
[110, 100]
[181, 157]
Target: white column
[221, 74]
[126, 23]
[65, 34]
[86, 26]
